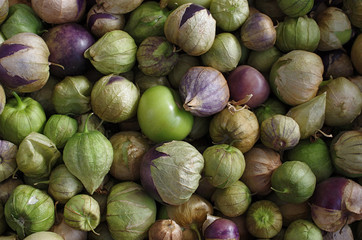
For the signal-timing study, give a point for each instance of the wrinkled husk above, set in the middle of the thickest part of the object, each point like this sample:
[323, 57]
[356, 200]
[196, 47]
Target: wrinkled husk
[4, 10]
[88, 153]
[72, 95]
[192, 28]
[356, 54]
[264, 60]
[229, 15]
[343, 102]
[297, 33]
[179, 164]
[82, 212]
[224, 165]
[44, 95]
[353, 8]
[269, 108]
[315, 153]
[113, 53]
[192, 212]
[128, 150]
[270, 8]
[119, 7]
[260, 164]
[344, 234]
[8, 165]
[59, 128]
[2, 98]
[239, 125]
[184, 63]
[303, 229]
[147, 20]
[130, 211]
[6, 188]
[310, 115]
[114, 98]
[27, 68]
[232, 201]
[295, 77]
[144, 82]
[279, 132]
[337, 63]
[94, 123]
[346, 153]
[29, 210]
[165, 229]
[224, 54]
[335, 29]
[63, 185]
[37, 155]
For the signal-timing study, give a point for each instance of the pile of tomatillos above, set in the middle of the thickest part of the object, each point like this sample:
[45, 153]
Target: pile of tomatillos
[180, 119]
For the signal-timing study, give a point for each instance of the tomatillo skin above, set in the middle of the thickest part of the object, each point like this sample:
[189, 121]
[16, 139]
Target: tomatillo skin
[161, 116]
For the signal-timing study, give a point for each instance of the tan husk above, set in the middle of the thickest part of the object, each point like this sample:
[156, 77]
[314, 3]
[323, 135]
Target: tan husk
[165, 229]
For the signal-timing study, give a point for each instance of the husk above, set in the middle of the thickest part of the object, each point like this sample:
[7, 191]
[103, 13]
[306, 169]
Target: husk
[8, 165]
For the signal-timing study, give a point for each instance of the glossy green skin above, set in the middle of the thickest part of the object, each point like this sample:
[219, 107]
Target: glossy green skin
[298, 33]
[88, 155]
[161, 116]
[293, 182]
[29, 210]
[130, 211]
[19, 119]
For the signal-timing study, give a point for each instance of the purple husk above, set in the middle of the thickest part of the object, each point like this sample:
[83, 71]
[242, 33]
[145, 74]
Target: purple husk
[222, 228]
[115, 78]
[190, 12]
[94, 17]
[145, 172]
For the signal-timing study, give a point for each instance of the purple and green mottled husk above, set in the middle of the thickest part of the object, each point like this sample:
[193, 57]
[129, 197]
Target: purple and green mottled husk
[204, 90]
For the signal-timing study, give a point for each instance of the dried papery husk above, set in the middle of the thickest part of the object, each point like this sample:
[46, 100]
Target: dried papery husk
[295, 77]
[356, 79]
[118, 57]
[263, 219]
[172, 4]
[119, 7]
[6, 188]
[297, 33]
[224, 165]
[353, 9]
[204, 91]
[192, 213]
[165, 229]
[2, 98]
[129, 148]
[232, 201]
[260, 163]
[315, 153]
[8, 164]
[343, 102]
[82, 212]
[224, 54]
[63, 185]
[309, 115]
[29, 210]
[37, 155]
[335, 29]
[4, 10]
[337, 63]
[99, 21]
[146, 20]
[59, 11]
[295, 8]
[230, 14]
[184, 63]
[356, 54]
[114, 98]
[72, 95]
[258, 32]
[238, 125]
[336, 202]
[130, 211]
[156, 56]
[303, 229]
[346, 153]
[192, 28]
[345, 233]
[279, 132]
[24, 62]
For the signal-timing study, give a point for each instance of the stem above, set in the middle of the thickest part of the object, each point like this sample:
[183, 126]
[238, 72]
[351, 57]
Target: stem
[18, 100]
[92, 228]
[193, 227]
[56, 64]
[85, 129]
[279, 191]
[44, 182]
